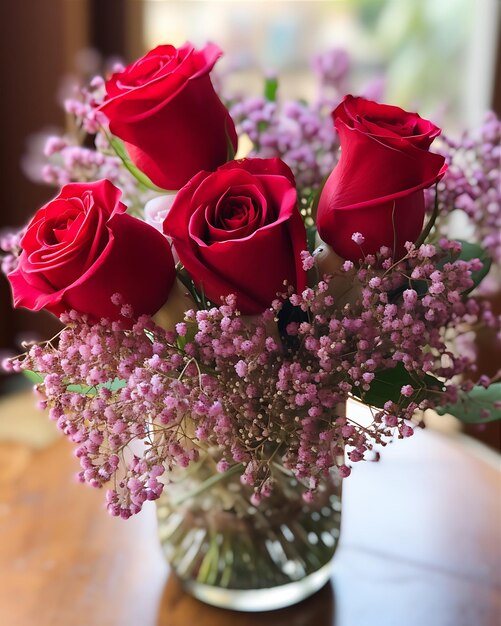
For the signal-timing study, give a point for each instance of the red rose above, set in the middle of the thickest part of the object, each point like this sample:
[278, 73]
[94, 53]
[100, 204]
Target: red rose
[377, 187]
[238, 230]
[82, 247]
[165, 109]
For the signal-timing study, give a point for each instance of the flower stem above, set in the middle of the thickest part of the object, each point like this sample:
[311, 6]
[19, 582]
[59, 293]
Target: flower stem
[210, 482]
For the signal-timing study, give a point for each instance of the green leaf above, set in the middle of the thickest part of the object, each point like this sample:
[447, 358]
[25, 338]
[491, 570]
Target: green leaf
[119, 148]
[114, 385]
[468, 252]
[35, 377]
[191, 331]
[150, 335]
[419, 286]
[85, 390]
[311, 234]
[471, 251]
[388, 383]
[470, 404]
[181, 342]
[186, 280]
[270, 89]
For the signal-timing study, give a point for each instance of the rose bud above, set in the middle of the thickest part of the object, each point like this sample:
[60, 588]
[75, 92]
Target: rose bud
[165, 109]
[174, 309]
[156, 209]
[376, 189]
[155, 212]
[82, 247]
[238, 230]
[344, 287]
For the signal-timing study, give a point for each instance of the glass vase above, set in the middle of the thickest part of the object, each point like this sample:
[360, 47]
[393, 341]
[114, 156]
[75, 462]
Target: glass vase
[234, 554]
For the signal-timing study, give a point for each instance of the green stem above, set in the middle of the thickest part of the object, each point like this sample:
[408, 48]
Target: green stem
[207, 484]
[431, 222]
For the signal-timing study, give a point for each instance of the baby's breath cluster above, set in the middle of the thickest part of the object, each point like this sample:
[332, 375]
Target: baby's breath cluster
[300, 133]
[83, 153]
[9, 249]
[251, 391]
[473, 181]
[297, 132]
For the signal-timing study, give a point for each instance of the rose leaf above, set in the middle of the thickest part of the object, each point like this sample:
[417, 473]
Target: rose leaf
[271, 88]
[476, 406]
[119, 148]
[388, 383]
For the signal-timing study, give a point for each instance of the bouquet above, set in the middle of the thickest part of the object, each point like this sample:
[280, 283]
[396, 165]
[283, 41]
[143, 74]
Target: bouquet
[219, 312]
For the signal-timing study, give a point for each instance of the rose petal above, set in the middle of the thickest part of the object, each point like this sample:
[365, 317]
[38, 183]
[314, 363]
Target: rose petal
[253, 266]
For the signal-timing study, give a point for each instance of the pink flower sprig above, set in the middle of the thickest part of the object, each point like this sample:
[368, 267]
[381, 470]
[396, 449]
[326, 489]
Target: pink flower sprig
[472, 183]
[10, 249]
[301, 133]
[68, 157]
[148, 400]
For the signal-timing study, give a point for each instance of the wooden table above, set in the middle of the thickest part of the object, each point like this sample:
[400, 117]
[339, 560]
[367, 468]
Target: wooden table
[420, 543]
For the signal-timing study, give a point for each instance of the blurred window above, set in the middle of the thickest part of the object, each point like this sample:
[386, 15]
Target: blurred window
[436, 55]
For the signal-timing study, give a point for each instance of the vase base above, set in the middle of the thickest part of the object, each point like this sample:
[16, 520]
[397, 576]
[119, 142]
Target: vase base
[267, 599]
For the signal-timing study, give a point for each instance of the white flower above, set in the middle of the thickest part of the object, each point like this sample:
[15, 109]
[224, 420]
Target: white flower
[155, 212]
[156, 209]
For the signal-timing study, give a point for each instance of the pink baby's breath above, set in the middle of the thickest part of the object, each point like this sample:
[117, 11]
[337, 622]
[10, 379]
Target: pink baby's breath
[138, 401]
[246, 393]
